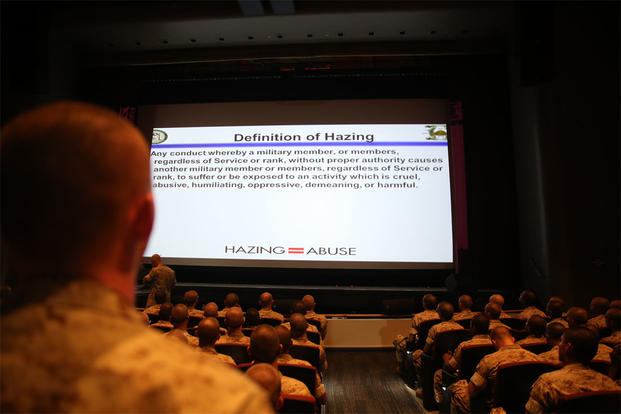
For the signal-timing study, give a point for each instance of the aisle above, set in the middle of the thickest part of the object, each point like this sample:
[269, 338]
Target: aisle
[365, 382]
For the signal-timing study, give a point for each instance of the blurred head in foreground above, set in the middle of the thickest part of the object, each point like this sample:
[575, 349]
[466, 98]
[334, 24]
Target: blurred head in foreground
[76, 198]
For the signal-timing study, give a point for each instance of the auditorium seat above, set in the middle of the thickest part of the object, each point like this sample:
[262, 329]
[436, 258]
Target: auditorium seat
[600, 365]
[315, 323]
[239, 352]
[470, 357]
[314, 337]
[307, 353]
[152, 318]
[514, 323]
[511, 388]
[591, 402]
[465, 323]
[244, 367]
[609, 343]
[604, 332]
[308, 375]
[423, 330]
[297, 404]
[161, 328]
[270, 321]
[536, 348]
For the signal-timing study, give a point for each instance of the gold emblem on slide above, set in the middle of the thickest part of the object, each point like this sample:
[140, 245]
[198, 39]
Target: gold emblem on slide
[159, 136]
[436, 132]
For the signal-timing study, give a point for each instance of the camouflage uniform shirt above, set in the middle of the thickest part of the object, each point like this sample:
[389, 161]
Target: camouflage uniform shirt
[559, 320]
[234, 338]
[571, 379]
[292, 386]
[323, 321]
[84, 349]
[488, 367]
[424, 316]
[441, 327]
[494, 323]
[268, 313]
[160, 278]
[460, 316]
[212, 353]
[288, 359]
[532, 340]
[615, 338]
[323, 360]
[455, 361]
[530, 311]
[599, 321]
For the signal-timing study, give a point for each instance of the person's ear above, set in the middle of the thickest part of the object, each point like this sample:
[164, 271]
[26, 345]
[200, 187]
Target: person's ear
[144, 214]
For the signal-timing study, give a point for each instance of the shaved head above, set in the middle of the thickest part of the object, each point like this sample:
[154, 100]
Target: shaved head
[234, 318]
[284, 336]
[75, 187]
[445, 310]
[298, 307]
[492, 311]
[179, 314]
[190, 298]
[165, 312]
[252, 317]
[613, 319]
[208, 331]
[265, 300]
[309, 302]
[501, 336]
[231, 299]
[264, 344]
[599, 306]
[555, 307]
[528, 298]
[211, 309]
[536, 325]
[298, 325]
[465, 302]
[429, 301]
[577, 316]
[497, 299]
[616, 304]
[156, 260]
[268, 378]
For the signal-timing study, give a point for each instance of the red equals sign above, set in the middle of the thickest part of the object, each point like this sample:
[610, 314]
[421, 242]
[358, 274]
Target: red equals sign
[296, 250]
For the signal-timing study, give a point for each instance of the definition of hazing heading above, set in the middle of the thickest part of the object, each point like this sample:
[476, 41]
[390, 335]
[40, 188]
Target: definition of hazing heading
[326, 136]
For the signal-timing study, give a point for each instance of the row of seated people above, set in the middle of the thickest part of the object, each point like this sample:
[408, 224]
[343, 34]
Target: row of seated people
[437, 333]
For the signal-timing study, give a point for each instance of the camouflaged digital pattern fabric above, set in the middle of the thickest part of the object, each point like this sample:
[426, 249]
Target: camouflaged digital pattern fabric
[561, 321]
[153, 310]
[424, 316]
[292, 386]
[571, 379]
[212, 353]
[459, 316]
[162, 324]
[460, 398]
[234, 338]
[504, 315]
[532, 340]
[288, 359]
[455, 361]
[530, 311]
[323, 321]
[161, 278]
[603, 353]
[488, 366]
[441, 327]
[550, 356]
[323, 359]
[84, 349]
[196, 313]
[494, 323]
[271, 315]
[311, 328]
[598, 321]
[615, 338]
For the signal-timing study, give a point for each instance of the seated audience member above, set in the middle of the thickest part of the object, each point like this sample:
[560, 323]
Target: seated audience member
[208, 333]
[190, 298]
[463, 391]
[160, 298]
[500, 301]
[613, 322]
[266, 301]
[597, 311]
[231, 300]
[299, 325]
[401, 342]
[493, 312]
[309, 306]
[211, 311]
[452, 362]
[160, 278]
[284, 336]
[555, 309]
[445, 311]
[163, 320]
[528, 299]
[234, 320]
[554, 331]
[616, 304]
[252, 318]
[603, 350]
[177, 335]
[577, 348]
[298, 307]
[268, 378]
[179, 319]
[265, 347]
[465, 308]
[576, 316]
[74, 342]
[536, 328]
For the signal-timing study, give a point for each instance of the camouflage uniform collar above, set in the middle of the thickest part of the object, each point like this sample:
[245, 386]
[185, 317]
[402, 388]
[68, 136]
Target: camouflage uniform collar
[209, 350]
[574, 366]
[507, 347]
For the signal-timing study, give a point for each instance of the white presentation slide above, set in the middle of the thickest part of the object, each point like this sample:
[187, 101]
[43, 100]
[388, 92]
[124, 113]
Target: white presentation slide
[302, 193]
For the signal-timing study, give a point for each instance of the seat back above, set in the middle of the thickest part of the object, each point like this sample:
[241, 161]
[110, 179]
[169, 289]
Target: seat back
[161, 328]
[423, 330]
[604, 332]
[514, 323]
[464, 322]
[600, 365]
[315, 323]
[308, 375]
[513, 381]
[297, 404]
[470, 357]
[536, 348]
[270, 321]
[244, 367]
[591, 402]
[307, 353]
[194, 320]
[314, 337]
[448, 340]
[239, 352]
[247, 331]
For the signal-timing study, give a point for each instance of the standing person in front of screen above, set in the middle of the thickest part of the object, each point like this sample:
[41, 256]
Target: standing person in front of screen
[160, 278]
